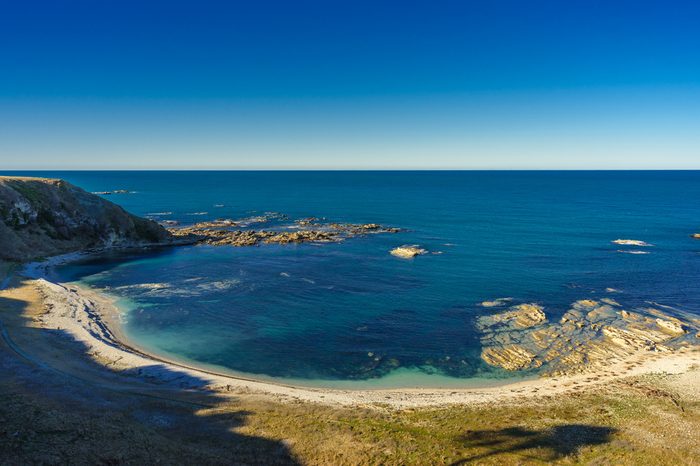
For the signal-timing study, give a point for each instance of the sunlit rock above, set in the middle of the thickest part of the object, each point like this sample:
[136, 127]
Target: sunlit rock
[589, 334]
[512, 357]
[408, 252]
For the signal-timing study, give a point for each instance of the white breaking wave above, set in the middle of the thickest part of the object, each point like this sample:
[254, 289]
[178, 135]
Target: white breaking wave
[632, 242]
[165, 290]
[219, 285]
[144, 286]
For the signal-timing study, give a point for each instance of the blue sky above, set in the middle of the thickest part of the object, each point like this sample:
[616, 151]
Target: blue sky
[341, 84]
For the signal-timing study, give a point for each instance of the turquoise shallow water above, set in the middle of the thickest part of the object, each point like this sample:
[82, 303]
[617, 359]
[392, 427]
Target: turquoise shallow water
[350, 314]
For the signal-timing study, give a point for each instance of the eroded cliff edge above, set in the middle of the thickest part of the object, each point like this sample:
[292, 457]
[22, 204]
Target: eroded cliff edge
[42, 217]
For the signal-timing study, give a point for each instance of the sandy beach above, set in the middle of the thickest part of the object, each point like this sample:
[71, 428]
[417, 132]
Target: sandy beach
[92, 321]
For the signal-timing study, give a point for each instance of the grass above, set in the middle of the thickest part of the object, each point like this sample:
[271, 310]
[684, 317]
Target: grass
[609, 428]
[626, 424]
[27, 189]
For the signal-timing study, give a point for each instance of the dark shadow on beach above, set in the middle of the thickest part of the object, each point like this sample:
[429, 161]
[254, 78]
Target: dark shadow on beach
[551, 444]
[78, 411]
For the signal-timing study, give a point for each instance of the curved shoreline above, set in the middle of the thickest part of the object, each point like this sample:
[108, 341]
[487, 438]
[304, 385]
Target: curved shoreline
[91, 319]
[107, 314]
[110, 316]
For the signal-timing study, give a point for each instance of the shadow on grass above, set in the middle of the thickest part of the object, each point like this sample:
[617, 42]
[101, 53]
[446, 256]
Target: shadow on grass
[71, 409]
[557, 442]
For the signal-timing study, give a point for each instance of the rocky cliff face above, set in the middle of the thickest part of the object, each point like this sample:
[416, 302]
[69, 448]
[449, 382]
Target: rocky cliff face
[42, 217]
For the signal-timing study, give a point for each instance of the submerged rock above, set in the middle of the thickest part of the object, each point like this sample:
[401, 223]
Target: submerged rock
[408, 252]
[498, 302]
[218, 223]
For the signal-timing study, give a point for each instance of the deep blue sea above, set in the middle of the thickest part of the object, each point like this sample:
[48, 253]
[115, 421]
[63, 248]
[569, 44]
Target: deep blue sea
[350, 314]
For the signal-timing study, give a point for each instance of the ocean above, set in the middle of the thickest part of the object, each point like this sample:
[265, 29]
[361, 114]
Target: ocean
[349, 314]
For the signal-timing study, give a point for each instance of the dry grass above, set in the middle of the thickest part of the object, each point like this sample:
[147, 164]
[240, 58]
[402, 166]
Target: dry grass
[634, 423]
[637, 421]
[642, 424]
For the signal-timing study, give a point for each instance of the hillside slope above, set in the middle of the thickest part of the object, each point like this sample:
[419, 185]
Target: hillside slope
[42, 217]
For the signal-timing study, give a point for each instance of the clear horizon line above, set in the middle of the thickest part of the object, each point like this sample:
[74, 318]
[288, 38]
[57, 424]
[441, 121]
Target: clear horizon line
[341, 169]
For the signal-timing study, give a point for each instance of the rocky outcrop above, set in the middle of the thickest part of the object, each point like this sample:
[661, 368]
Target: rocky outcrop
[220, 233]
[590, 334]
[520, 316]
[510, 357]
[42, 217]
[407, 252]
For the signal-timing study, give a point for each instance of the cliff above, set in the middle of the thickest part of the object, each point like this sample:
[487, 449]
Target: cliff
[43, 217]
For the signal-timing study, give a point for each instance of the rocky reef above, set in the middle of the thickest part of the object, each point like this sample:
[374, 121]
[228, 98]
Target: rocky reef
[590, 334]
[42, 217]
[224, 232]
